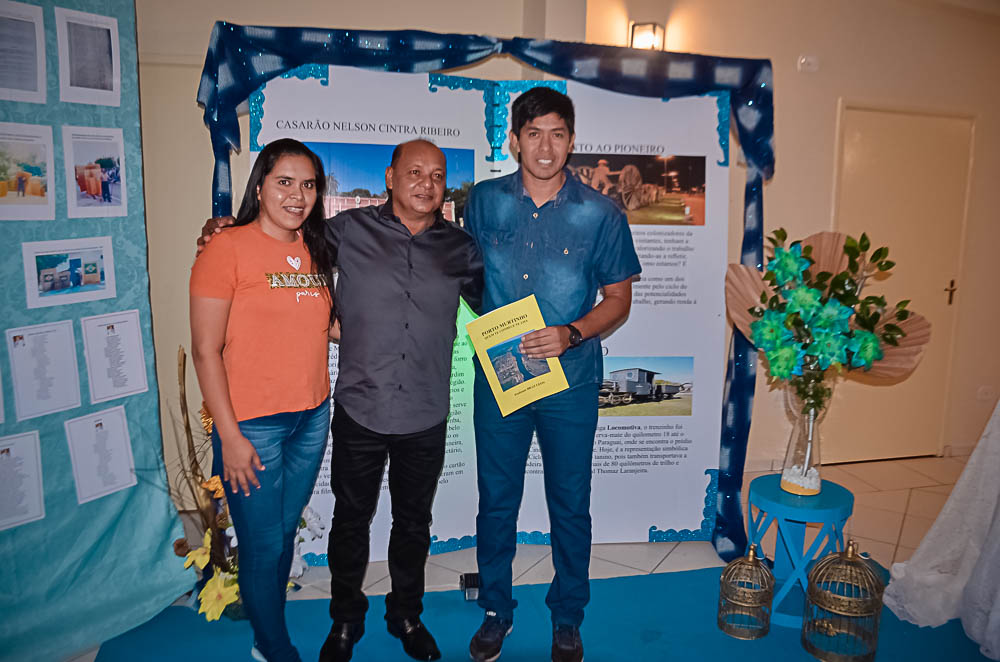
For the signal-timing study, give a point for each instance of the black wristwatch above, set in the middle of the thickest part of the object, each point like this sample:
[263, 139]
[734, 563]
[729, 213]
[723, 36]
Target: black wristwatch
[575, 337]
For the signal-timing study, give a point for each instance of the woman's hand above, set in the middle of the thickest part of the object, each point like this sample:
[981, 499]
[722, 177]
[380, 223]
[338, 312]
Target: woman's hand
[334, 332]
[239, 461]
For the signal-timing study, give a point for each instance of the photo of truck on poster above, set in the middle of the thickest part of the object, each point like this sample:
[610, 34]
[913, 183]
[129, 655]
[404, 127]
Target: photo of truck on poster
[647, 386]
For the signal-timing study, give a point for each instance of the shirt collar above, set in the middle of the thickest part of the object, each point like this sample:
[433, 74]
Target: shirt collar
[570, 191]
[386, 214]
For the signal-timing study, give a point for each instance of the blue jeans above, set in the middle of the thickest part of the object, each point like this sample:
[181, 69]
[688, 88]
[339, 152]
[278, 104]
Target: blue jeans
[290, 446]
[565, 423]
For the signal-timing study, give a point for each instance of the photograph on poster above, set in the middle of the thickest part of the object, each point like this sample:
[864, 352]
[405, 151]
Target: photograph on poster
[43, 367]
[652, 189]
[513, 367]
[355, 176]
[21, 496]
[22, 52]
[68, 271]
[116, 363]
[95, 172]
[26, 192]
[101, 453]
[89, 58]
[647, 386]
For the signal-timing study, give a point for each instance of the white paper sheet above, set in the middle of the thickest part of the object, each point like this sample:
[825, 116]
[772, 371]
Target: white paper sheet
[95, 172]
[116, 363]
[101, 451]
[3, 415]
[68, 271]
[89, 58]
[43, 369]
[22, 51]
[27, 189]
[21, 495]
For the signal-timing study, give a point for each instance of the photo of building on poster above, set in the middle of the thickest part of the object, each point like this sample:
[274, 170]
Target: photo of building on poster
[513, 367]
[647, 386]
[355, 176]
[653, 190]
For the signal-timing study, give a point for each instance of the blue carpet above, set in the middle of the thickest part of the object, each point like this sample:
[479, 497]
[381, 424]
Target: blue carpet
[651, 617]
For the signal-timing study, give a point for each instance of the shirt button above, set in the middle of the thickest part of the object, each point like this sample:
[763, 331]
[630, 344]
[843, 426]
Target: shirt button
[525, 276]
[400, 387]
[535, 215]
[406, 326]
[407, 295]
[403, 356]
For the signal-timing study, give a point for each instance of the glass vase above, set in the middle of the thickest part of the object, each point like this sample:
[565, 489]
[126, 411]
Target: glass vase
[800, 472]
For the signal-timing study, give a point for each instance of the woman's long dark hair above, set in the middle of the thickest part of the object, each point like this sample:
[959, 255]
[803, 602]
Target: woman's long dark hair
[314, 227]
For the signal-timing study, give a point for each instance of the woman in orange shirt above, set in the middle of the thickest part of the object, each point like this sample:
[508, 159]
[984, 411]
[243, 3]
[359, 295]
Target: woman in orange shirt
[261, 310]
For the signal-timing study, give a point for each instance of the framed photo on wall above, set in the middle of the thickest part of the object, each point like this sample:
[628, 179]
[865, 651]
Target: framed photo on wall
[22, 51]
[95, 172]
[26, 192]
[89, 58]
[68, 271]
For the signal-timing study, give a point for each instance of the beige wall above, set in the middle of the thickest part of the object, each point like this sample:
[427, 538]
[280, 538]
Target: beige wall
[913, 54]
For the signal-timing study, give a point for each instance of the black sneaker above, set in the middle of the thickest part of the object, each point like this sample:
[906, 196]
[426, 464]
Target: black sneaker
[488, 640]
[566, 644]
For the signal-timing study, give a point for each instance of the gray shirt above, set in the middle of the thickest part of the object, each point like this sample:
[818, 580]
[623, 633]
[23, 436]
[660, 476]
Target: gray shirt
[397, 301]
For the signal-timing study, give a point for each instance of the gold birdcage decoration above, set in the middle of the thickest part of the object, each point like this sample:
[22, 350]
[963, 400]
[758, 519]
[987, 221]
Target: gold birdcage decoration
[746, 589]
[843, 606]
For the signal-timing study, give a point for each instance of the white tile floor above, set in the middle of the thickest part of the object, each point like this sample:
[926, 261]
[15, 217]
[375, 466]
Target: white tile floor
[896, 501]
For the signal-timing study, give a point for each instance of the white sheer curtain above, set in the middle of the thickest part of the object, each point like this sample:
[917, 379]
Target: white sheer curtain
[955, 573]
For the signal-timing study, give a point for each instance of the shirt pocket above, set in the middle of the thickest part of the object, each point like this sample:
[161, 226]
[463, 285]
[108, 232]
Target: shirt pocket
[498, 238]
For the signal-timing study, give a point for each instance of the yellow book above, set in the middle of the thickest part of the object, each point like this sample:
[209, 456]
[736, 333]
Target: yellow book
[515, 379]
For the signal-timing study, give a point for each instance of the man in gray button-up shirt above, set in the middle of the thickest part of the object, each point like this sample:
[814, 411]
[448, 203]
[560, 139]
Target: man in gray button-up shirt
[402, 268]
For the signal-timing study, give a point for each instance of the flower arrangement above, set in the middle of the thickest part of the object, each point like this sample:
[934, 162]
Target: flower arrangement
[217, 590]
[809, 317]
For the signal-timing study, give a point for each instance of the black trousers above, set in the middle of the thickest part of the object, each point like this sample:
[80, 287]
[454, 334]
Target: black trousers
[358, 457]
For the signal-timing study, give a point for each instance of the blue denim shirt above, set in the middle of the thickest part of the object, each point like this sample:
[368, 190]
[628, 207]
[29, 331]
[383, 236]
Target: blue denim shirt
[561, 252]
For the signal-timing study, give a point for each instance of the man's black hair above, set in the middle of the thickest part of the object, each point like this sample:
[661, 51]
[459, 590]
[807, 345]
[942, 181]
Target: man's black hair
[539, 101]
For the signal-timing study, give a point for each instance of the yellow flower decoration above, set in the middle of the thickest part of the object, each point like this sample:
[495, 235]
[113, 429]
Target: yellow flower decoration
[221, 590]
[214, 485]
[200, 556]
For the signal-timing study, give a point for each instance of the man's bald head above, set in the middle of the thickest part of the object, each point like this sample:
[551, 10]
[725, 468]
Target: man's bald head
[419, 142]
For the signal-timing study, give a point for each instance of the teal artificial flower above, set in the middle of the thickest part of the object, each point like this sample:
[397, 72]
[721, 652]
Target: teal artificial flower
[788, 264]
[829, 347]
[866, 349]
[803, 300]
[833, 316]
[769, 332]
[785, 361]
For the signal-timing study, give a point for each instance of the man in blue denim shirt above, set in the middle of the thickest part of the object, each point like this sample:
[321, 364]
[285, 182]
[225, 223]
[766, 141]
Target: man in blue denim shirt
[543, 232]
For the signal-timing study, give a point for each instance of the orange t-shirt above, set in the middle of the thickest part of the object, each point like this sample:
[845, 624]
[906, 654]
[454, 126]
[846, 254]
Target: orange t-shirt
[276, 338]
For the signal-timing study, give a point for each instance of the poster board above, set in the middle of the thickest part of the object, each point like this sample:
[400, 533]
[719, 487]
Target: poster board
[656, 458]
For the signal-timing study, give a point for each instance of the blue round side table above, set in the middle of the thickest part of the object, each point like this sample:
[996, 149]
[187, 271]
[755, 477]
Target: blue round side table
[830, 508]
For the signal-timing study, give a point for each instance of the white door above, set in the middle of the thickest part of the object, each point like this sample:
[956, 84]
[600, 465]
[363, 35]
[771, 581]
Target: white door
[902, 177]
